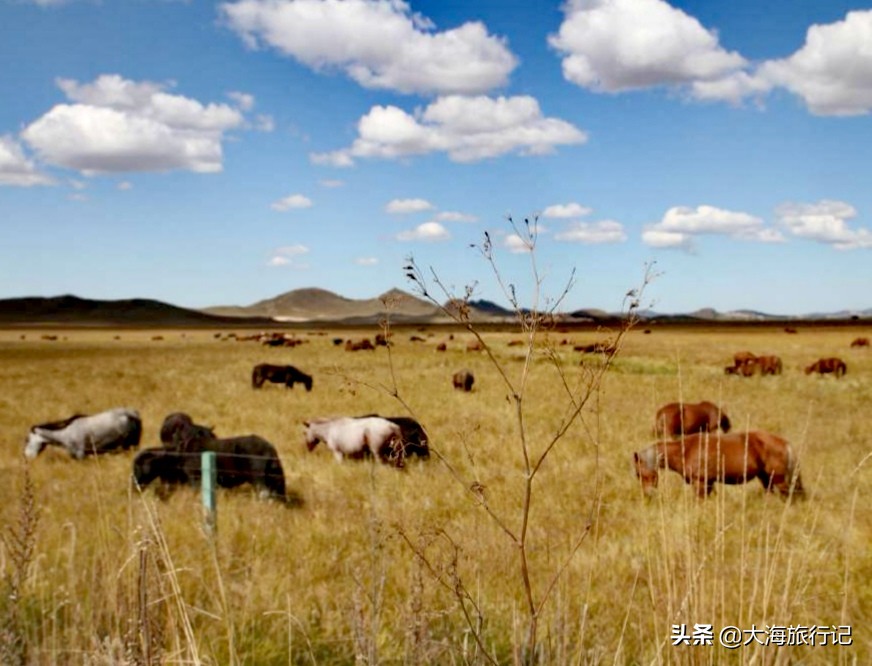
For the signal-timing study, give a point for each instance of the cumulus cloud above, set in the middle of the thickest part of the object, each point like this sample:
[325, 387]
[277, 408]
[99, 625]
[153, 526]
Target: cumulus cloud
[832, 72]
[16, 168]
[517, 245]
[331, 182]
[592, 233]
[825, 222]
[680, 225]
[429, 232]
[287, 255]
[454, 216]
[291, 202]
[378, 43]
[117, 125]
[468, 129]
[566, 210]
[366, 261]
[617, 45]
[405, 206]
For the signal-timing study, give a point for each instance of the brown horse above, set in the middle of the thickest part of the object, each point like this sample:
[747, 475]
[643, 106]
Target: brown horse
[769, 365]
[826, 366]
[860, 342]
[677, 418]
[736, 458]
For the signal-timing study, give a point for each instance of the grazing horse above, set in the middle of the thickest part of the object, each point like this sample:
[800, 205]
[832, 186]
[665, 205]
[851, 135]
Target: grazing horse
[769, 365]
[249, 458]
[703, 459]
[83, 435]
[279, 374]
[255, 464]
[362, 344]
[860, 342]
[676, 418]
[415, 440]
[463, 380]
[358, 438]
[826, 366]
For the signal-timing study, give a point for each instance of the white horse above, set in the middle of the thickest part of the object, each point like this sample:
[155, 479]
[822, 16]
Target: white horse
[357, 438]
[82, 435]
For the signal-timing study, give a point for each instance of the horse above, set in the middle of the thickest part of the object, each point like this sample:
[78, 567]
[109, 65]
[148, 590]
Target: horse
[279, 374]
[358, 438]
[256, 459]
[736, 458]
[415, 440]
[769, 365]
[363, 344]
[826, 366]
[684, 418]
[254, 464]
[83, 435]
[463, 380]
[860, 342]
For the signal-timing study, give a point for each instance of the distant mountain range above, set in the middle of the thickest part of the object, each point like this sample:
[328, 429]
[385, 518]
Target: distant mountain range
[320, 305]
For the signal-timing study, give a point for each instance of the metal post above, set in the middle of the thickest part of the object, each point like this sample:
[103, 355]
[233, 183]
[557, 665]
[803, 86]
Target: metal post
[209, 481]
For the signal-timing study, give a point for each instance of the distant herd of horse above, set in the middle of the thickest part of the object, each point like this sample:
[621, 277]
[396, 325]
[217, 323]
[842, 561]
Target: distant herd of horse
[695, 440]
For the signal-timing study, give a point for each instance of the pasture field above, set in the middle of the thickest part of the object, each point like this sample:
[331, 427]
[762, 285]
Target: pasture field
[373, 565]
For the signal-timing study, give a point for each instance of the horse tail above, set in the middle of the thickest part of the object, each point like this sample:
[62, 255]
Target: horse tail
[275, 478]
[134, 435]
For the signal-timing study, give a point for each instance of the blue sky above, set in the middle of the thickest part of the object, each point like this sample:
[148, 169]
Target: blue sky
[208, 153]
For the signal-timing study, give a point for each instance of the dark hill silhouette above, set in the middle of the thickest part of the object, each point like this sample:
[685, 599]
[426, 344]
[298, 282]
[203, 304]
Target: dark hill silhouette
[72, 310]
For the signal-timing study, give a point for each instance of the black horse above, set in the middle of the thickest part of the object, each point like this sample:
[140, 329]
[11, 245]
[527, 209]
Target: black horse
[279, 374]
[244, 459]
[415, 440]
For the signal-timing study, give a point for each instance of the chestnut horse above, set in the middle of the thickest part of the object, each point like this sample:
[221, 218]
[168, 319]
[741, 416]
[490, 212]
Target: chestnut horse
[826, 366]
[769, 365]
[677, 418]
[736, 458]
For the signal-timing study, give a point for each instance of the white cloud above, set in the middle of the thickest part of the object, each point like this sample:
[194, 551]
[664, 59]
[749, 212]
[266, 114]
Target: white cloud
[604, 231]
[78, 196]
[291, 202]
[468, 129]
[331, 182]
[16, 169]
[405, 206]
[617, 45]
[832, 72]
[366, 261]
[264, 123]
[286, 255]
[516, 245]
[454, 216]
[825, 222]
[118, 125]
[243, 100]
[377, 43]
[681, 224]
[566, 210]
[124, 185]
[429, 231]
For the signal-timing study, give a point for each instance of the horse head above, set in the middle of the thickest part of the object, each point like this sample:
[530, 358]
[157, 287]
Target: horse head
[147, 467]
[34, 444]
[312, 437]
[646, 463]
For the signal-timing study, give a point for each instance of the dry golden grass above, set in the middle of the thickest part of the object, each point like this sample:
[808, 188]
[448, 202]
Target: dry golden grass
[119, 577]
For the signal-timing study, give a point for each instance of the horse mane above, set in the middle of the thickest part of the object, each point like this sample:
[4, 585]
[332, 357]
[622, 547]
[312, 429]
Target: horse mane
[58, 425]
[649, 457]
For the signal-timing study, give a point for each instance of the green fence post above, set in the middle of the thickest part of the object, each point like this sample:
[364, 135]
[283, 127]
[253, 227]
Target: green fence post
[209, 481]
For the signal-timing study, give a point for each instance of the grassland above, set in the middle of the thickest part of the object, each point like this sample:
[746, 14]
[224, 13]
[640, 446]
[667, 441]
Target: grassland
[369, 568]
